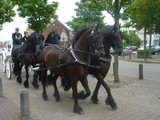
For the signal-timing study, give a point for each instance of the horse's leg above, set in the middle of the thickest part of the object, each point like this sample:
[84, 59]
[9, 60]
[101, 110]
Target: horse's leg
[56, 92]
[76, 108]
[43, 80]
[49, 77]
[81, 95]
[19, 70]
[26, 84]
[35, 80]
[94, 97]
[109, 99]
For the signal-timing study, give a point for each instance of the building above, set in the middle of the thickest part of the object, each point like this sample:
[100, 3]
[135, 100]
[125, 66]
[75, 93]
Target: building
[155, 38]
[61, 29]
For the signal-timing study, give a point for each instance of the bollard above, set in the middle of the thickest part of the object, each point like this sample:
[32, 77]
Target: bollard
[130, 56]
[24, 104]
[140, 71]
[1, 88]
[113, 69]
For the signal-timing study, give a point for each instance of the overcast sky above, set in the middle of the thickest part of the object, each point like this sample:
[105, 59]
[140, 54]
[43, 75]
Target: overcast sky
[65, 12]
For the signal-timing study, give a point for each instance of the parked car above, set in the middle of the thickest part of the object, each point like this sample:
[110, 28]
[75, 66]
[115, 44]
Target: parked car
[126, 51]
[157, 47]
[133, 48]
[153, 49]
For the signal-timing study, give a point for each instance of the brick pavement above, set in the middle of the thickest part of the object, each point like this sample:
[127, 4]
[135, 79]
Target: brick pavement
[136, 100]
[8, 110]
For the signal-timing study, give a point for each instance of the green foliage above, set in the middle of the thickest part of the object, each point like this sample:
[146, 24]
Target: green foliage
[6, 12]
[143, 14]
[131, 39]
[85, 17]
[110, 6]
[38, 13]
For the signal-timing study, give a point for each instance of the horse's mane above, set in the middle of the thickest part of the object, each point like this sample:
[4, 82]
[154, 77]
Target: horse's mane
[107, 31]
[31, 37]
[78, 34]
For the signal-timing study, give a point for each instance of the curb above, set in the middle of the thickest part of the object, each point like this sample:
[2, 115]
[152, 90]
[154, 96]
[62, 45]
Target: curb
[156, 62]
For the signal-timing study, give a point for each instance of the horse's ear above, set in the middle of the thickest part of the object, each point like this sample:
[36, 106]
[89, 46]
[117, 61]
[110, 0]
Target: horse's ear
[98, 26]
[41, 31]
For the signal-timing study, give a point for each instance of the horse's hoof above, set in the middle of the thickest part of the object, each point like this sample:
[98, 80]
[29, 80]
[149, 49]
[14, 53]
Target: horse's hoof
[57, 97]
[81, 95]
[111, 103]
[35, 85]
[78, 110]
[26, 85]
[19, 80]
[45, 98]
[95, 100]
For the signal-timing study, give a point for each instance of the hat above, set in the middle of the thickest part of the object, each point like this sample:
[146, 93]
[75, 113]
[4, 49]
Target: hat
[25, 32]
[17, 28]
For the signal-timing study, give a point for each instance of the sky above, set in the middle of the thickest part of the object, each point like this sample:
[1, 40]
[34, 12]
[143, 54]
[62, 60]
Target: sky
[65, 12]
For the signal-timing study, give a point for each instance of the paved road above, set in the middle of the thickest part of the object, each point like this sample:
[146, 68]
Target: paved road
[136, 100]
[151, 70]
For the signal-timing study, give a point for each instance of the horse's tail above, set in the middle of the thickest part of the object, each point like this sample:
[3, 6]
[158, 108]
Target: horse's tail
[65, 84]
[16, 67]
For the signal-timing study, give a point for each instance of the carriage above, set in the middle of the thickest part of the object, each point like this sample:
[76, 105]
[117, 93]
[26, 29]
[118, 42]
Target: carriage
[7, 62]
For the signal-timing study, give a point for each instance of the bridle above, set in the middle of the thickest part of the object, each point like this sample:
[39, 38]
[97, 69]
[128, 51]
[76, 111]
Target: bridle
[116, 32]
[93, 47]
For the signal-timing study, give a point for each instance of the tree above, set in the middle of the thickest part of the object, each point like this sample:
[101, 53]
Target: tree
[131, 39]
[6, 12]
[38, 13]
[85, 17]
[114, 9]
[144, 14]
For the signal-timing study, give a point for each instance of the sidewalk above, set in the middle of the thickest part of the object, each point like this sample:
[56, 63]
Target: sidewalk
[8, 110]
[136, 100]
[154, 59]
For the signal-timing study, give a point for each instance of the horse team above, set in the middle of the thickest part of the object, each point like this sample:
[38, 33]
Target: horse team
[88, 53]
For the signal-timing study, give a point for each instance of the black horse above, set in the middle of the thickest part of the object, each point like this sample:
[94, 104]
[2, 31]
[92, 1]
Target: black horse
[52, 39]
[26, 55]
[72, 62]
[112, 37]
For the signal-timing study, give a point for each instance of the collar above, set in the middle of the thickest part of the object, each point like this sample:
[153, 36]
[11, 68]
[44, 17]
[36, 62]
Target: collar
[78, 60]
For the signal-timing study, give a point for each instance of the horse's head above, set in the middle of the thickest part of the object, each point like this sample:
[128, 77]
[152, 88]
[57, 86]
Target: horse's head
[96, 42]
[53, 38]
[112, 37]
[39, 37]
[117, 44]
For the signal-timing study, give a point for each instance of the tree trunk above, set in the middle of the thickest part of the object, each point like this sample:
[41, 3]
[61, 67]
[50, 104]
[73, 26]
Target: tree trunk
[116, 68]
[145, 43]
[116, 61]
[150, 39]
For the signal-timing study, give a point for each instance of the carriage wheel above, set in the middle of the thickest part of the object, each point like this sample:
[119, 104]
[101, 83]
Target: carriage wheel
[8, 69]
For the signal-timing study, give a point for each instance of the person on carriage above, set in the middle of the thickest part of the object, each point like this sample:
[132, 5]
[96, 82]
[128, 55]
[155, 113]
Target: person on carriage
[25, 37]
[17, 37]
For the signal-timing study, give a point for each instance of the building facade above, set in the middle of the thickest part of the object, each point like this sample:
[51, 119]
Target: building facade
[155, 37]
[61, 29]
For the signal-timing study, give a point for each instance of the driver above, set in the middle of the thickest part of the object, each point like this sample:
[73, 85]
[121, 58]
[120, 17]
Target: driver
[17, 37]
